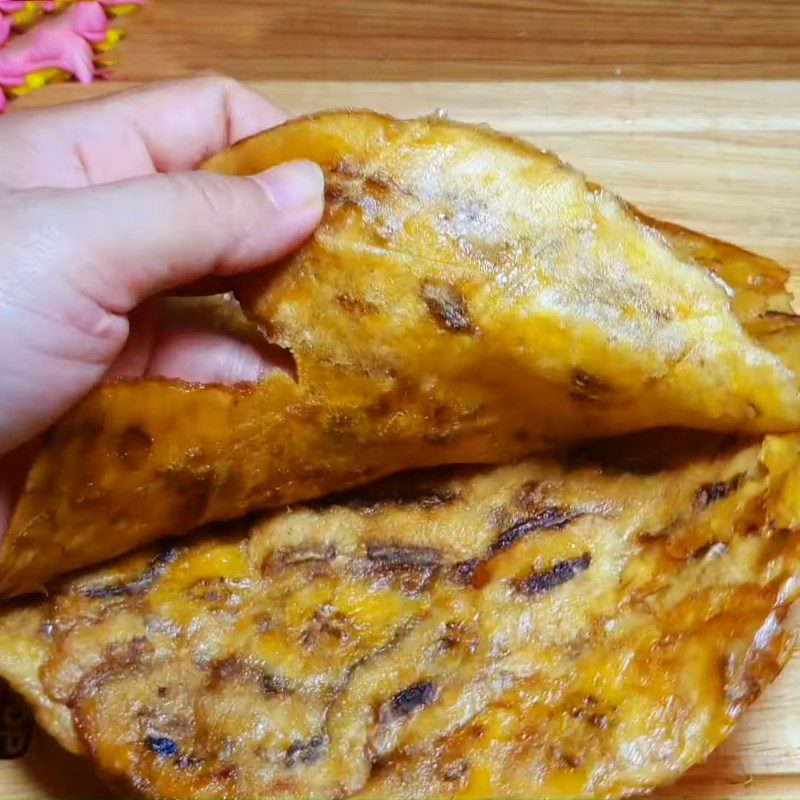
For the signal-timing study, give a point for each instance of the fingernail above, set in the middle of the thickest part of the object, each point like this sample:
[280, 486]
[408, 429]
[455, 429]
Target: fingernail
[295, 184]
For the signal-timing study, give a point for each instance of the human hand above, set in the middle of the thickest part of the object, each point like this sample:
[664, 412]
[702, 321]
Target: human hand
[99, 213]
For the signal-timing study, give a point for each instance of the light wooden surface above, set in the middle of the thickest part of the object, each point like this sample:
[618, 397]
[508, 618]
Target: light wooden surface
[466, 39]
[723, 157]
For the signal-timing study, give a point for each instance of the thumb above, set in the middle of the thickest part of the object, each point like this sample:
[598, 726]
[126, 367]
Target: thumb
[75, 262]
[138, 237]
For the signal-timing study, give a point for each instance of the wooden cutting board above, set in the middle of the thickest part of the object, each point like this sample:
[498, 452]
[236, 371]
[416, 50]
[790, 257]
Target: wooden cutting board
[723, 157]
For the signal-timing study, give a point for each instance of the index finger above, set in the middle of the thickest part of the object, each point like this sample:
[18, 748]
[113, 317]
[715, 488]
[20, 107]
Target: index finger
[162, 127]
[185, 121]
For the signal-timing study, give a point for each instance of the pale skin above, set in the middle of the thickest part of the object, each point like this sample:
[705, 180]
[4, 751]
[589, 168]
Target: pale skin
[100, 214]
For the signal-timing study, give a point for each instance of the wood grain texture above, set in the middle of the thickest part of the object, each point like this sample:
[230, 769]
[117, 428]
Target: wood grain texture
[465, 39]
[723, 157]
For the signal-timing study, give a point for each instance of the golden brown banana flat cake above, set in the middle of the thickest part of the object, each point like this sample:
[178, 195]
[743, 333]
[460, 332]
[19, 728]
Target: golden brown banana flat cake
[585, 626]
[467, 298]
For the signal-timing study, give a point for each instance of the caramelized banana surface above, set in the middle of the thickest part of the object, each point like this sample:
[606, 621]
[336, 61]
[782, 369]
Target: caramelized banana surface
[586, 626]
[467, 299]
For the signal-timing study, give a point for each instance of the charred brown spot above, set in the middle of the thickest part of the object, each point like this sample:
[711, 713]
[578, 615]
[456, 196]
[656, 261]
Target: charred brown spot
[746, 676]
[403, 556]
[559, 574]
[193, 485]
[446, 422]
[756, 519]
[786, 316]
[134, 446]
[327, 621]
[400, 492]
[305, 752]
[270, 684]
[457, 635]
[781, 319]
[229, 669]
[217, 592]
[454, 770]
[530, 494]
[534, 494]
[373, 181]
[464, 571]
[416, 696]
[592, 712]
[120, 658]
[157, 567]
[651, 537]
[447, 306]
[227, 772]
[128, 654]
[436, 498]
[521, 435]
[263, 623]
[547, 518]
[346, 167]
[384, 405]
[338, 192]
[189, 762]
[567, 758]
[349, 185]
[235, 669]
[586, 386]
[599, 721]
[356, 305]
[407, 567]
[710, 493]
[378, 184]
